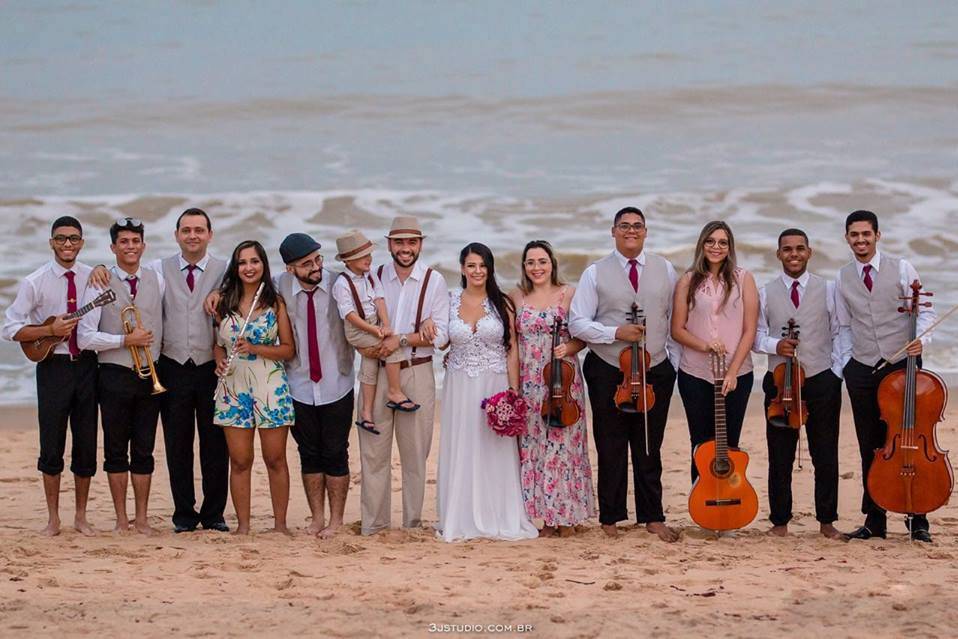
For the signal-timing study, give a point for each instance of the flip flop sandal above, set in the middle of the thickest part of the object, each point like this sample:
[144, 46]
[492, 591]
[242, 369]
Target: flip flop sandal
[403, 406]
[367, 426]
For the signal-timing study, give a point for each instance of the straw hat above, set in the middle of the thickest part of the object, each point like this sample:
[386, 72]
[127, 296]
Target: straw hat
[405, 227]
[352, 246]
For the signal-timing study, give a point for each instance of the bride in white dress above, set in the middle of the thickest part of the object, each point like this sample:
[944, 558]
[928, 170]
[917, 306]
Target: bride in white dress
[480, 494]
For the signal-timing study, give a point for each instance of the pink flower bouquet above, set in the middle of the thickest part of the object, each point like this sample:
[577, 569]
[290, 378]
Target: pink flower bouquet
[506, 413]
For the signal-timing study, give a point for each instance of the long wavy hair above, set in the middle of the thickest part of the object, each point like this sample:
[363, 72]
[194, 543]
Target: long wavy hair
[500, 301]
[231, 290]
[525, 284]
[700, 266]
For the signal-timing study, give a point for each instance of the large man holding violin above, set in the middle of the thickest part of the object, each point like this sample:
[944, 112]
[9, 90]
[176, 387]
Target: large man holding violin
[868, 297]
[803, 385]
[608, 291]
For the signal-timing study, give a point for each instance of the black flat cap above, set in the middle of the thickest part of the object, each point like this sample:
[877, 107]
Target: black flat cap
[296, 246]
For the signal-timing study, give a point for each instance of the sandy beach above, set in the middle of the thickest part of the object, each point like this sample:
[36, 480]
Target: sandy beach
[405, 583]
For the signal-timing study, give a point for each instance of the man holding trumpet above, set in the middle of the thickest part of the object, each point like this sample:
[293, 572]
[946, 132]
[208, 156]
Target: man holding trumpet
[126, 336]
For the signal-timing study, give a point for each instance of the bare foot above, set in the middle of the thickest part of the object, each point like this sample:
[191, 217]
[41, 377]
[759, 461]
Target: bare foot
[778, 531]
[315, 527]
[610, 530]
[122, 526]
[664, 532]
[399, 397]
[83, 527]
[52, 528]
[280, 529]
[566, 531]
[145, 529]
[831, 532]
[241, 530]
[547, 531]
[330, 531]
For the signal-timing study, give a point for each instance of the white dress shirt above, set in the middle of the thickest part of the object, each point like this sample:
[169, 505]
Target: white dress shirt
[333, 386]
[765, 343]
[906, 275]
[43, 293]
[367, 293]
[585, 303]
[89, 337]
[402, 300]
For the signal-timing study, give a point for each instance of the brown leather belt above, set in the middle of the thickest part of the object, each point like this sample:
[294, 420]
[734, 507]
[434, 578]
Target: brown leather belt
[409, 363]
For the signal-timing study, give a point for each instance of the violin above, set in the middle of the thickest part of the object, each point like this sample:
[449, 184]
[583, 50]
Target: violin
[634, 394]
[559, 409]
[911, 474]
[788, 408]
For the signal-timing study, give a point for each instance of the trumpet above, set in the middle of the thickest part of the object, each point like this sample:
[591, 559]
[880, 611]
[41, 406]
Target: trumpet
[131, 319]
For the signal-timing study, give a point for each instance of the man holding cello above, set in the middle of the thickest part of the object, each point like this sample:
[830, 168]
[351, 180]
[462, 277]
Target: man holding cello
[805, 303]
[608, 290]
[872, 330]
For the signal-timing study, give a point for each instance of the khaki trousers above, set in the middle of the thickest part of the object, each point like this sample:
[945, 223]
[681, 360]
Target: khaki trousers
[413, 433]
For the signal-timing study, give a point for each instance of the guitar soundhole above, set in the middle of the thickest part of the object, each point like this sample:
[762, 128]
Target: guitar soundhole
[721, 467]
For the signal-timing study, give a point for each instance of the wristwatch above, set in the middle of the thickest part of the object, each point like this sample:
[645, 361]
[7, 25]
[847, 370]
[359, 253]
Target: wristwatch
[403, 341]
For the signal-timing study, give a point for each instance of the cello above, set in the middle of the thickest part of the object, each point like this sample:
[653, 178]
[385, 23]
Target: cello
[559, 408]
[788, 408]
[911, 474]
[634, 395]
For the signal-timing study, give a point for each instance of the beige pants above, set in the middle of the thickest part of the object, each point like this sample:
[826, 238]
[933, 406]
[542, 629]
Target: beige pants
[369, 366]
[413, 432]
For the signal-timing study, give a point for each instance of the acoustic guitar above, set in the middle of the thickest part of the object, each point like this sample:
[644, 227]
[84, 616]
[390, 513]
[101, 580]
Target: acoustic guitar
[721, 498]
[38, 350]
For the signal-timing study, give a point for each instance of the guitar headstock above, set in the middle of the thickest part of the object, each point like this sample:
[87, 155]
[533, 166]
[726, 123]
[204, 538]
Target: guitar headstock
[104, 298]
[719, 367]
[912, 302]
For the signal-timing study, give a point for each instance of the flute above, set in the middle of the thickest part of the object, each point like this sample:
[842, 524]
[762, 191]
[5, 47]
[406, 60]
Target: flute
[242, 331]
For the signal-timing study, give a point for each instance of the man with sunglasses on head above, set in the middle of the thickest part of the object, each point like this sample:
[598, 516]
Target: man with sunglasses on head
[188, 371]
[66, 380]
[128, 406]
[599, 316]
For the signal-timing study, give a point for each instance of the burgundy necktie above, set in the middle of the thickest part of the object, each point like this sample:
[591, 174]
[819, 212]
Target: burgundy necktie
[71, 308]
[634, 275]
[868, 277]
[132, 282]
[795, 293]
[189, 276]
[315, 369]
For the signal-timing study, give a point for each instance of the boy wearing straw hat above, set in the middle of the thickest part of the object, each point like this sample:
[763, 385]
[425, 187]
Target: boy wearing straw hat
[359, 295]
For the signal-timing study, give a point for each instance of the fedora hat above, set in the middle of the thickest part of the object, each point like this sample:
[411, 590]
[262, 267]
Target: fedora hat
[352, 246]
[405, 227]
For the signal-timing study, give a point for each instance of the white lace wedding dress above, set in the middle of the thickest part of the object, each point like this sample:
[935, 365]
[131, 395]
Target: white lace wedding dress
[478, 488]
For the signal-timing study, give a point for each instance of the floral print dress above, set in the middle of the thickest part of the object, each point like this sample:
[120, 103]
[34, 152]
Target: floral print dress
[555, 471]
[256, 393]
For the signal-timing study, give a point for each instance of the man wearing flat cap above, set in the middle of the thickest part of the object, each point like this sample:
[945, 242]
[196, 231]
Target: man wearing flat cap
[320, 380]
[417, 301]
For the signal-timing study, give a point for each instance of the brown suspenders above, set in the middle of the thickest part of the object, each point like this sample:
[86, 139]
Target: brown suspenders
[355, 293]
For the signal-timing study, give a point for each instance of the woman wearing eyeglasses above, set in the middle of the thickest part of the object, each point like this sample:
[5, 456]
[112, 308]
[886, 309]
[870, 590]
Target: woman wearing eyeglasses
[715, 310]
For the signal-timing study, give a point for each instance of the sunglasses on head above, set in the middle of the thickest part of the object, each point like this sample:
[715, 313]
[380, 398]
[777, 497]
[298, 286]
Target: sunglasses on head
[128, 222]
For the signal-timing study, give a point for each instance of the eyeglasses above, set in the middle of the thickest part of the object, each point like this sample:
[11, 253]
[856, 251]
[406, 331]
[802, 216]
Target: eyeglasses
[625, 227]
[316, 262]
[713, 242]
[128, 222]
[60, 240]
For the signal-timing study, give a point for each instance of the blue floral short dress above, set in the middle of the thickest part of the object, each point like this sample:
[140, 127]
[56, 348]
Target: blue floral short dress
[256, 392]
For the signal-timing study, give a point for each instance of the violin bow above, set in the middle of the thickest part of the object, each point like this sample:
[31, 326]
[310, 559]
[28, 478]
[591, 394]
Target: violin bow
[917, 339]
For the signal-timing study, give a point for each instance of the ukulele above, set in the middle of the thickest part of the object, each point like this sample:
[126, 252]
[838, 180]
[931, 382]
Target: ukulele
[41, 348]
[721, 497]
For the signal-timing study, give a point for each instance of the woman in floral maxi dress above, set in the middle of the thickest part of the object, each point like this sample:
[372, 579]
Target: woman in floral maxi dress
[555, 472]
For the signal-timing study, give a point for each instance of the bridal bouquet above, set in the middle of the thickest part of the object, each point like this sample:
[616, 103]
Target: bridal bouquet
[506, 413]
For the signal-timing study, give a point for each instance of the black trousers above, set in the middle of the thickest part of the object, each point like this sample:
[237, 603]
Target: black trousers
[129, 413]
[862, 385]
[186, 408]
[66, 391]
[615, 432]
[698, 398]
[322, 436]
[823, 397]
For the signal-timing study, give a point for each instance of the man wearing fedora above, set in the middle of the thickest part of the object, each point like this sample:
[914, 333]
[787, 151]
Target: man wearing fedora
[417, 302]
[320, 380]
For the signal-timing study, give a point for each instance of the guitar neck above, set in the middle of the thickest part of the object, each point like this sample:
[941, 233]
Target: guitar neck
[721, 432]
[83, 310]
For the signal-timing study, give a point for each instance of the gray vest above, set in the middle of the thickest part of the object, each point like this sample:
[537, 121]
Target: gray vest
[344, 352]
[615, 301]
[148, 303]
[815, 335]
[878, 329]
[187, 329]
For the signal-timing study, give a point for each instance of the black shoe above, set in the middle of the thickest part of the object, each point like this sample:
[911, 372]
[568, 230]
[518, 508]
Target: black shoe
[921, 535]
[219, 526]
[865, 533]
[181, 528]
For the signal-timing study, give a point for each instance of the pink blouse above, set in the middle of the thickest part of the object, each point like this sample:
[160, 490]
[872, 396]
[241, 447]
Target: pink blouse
[709, 320]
